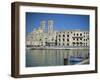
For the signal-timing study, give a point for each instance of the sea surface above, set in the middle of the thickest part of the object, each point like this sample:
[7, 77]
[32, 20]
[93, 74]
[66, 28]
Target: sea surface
[37, 58]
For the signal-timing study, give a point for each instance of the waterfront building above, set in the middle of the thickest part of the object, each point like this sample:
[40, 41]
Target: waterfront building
[72, 38]
[39, 37]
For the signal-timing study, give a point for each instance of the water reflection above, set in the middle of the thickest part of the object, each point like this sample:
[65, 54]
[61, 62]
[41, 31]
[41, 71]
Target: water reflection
[56, 57]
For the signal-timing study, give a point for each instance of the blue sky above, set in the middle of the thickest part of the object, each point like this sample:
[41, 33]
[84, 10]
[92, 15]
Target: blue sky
[61, 21]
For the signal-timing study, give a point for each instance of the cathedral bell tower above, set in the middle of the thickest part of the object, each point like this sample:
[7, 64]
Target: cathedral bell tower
[42, 25]
[50, 26]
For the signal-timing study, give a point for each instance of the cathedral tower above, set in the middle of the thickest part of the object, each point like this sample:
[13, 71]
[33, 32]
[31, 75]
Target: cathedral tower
[42, 25]
[50, 26]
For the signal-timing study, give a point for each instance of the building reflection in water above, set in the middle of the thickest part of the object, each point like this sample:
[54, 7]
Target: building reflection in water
[35, 58]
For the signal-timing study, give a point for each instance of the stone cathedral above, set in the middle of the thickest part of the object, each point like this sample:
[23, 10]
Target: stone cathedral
[42, 38]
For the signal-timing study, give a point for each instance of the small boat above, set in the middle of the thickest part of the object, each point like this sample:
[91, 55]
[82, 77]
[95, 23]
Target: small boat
[75, 59]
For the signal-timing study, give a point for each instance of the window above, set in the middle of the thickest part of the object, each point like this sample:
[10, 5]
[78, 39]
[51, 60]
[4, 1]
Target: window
[63, 44]
[77, 39]
[73, 38]
[74, 34]
[71, 32]
[81, 43]
[67, 44]
[80, 38]
[67, 35]
[73, 43]
[40, 39]
[77, 34]
[59, 35]
[63, 35]
[67, 39]
[63, 39]
[80, 34]
[59, 39]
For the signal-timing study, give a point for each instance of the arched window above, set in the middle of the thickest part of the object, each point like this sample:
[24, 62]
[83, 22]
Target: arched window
[81, 43]
[77, 43]
[63, 39]
[73, 43]
[67, 35]
[80, 34]
[80, 38]
[77, 34]
[63, 35]
[67, 39]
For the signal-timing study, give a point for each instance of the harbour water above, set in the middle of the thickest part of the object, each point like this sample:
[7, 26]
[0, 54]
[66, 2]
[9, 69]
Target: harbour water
[37, 58]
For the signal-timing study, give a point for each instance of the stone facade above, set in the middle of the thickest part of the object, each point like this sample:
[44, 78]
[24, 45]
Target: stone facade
[72, 38]
[39, 37]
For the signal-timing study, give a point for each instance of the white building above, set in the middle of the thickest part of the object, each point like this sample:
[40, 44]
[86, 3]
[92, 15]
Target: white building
[39, 37]
[72, 38]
